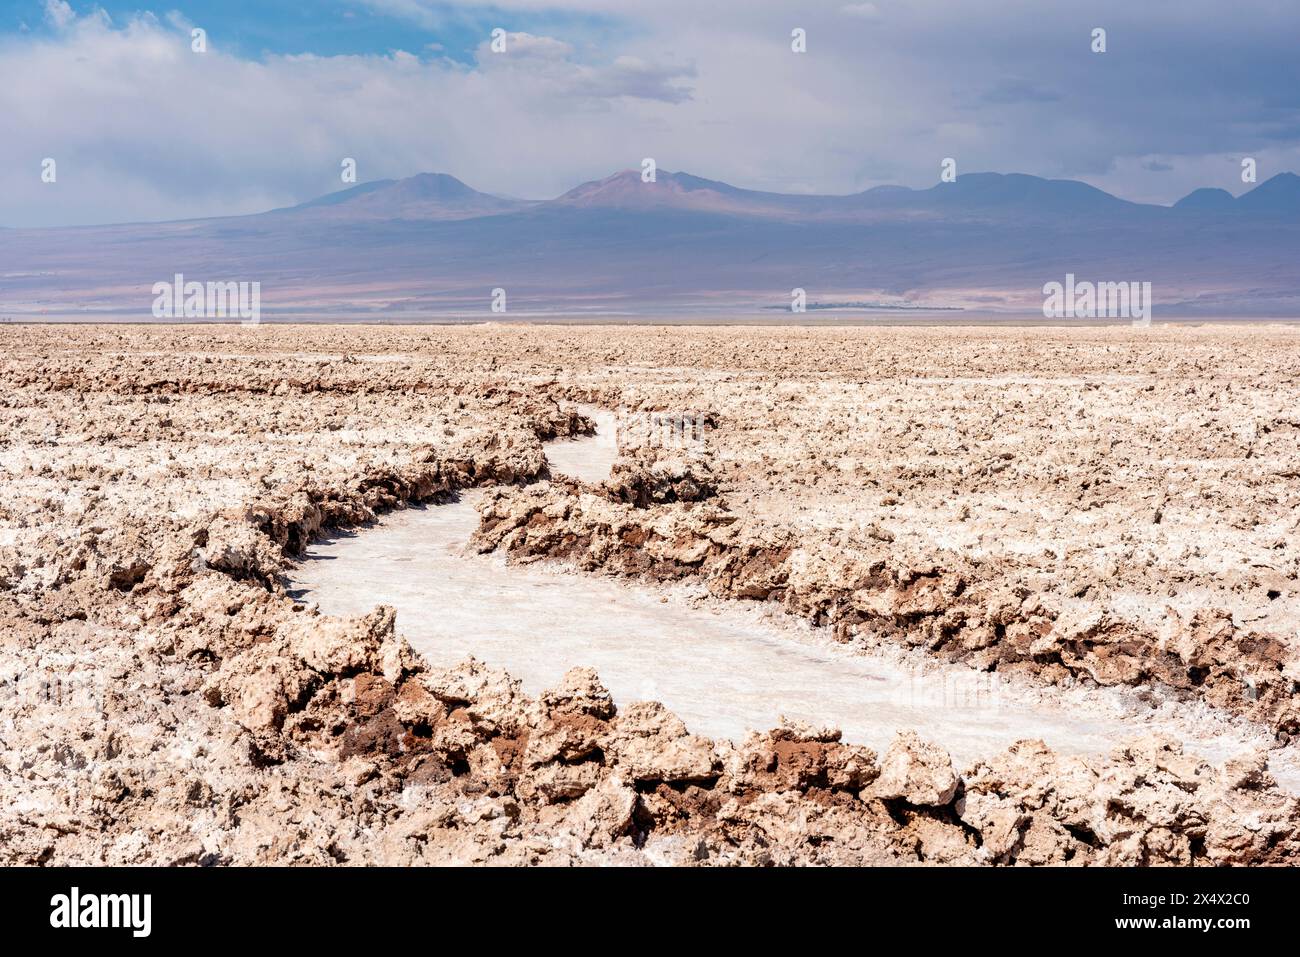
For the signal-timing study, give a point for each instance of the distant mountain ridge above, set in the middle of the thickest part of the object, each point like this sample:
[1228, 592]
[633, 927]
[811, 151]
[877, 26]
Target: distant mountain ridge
[423, 196]
[442, 196]
[1279, 194]
[431, 245]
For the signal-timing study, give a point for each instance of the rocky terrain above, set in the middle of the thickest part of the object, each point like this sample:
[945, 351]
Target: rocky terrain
[1078, 507]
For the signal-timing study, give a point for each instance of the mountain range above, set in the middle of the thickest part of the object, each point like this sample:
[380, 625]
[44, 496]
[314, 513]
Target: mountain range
[430, 246]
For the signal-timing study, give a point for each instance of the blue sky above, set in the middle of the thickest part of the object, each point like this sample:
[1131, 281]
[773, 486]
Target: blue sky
[254, 28]
[142, 128]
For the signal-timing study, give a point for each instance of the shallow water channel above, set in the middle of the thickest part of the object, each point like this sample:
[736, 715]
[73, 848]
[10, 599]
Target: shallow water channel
[726, 668]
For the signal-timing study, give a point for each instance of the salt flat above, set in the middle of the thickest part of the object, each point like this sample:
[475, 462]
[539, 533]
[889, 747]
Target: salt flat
[846, 525]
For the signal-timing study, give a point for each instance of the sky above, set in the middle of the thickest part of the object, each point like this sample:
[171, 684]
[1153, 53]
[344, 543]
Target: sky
[141, 127]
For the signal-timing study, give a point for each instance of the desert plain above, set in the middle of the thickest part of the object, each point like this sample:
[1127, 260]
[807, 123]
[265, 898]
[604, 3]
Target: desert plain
[1080, 511]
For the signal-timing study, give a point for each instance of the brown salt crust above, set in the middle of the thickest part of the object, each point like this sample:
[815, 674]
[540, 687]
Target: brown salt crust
[871, 594]
[203, 717]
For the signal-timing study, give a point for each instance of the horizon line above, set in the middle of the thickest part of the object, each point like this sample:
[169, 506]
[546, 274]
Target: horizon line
[633, 171]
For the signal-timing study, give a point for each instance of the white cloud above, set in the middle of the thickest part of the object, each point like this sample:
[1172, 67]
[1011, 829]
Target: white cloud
[526, 45]
[866, 11]
[58, 13]
[144, 129]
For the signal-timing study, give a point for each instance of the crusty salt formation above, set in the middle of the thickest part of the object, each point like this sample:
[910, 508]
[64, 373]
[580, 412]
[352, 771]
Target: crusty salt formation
[1084, 506]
